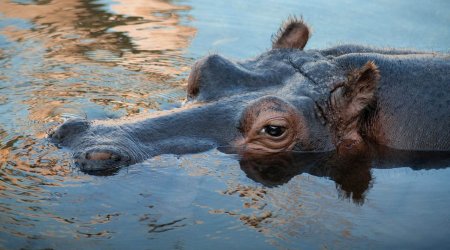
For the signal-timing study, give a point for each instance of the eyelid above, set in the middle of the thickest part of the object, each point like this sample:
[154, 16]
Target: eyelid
[277, 121]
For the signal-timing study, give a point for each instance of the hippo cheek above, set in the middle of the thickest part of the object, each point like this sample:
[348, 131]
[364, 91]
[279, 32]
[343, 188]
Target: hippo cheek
[101, 158]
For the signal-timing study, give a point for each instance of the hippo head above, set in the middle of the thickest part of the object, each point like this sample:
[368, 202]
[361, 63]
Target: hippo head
[287, 99]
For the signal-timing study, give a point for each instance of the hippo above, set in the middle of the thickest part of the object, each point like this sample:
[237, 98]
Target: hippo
[287, 99]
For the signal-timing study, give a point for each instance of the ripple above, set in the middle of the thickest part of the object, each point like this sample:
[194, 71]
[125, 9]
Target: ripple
[109, 59]
[76, 59]
[103, 55]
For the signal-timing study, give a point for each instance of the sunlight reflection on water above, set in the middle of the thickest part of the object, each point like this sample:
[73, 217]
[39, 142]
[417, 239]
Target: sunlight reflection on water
[109, 59]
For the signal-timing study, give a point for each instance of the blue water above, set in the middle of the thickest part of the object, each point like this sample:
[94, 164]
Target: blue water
[109, 59]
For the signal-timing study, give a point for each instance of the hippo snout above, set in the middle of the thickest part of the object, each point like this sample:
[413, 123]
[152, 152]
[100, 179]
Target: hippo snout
[101, 159]
[69, 129]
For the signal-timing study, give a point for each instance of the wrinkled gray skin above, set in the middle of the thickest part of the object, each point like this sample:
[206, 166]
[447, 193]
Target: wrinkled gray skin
[409, 108]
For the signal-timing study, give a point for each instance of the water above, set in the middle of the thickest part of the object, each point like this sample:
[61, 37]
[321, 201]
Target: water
[108, 59]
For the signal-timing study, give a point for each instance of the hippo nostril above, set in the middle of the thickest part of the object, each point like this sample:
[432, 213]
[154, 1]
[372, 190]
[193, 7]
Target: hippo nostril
[55, 135]
[87, 156]
[115, 157]
[69, 129]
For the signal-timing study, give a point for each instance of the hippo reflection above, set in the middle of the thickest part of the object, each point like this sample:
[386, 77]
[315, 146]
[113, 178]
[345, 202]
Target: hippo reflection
[287, 99]
[352, 175]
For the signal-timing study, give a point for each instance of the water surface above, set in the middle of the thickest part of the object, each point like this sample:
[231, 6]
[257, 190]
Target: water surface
[109, 59]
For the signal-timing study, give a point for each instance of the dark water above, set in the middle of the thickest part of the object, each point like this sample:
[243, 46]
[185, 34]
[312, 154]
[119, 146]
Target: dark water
[108, 59]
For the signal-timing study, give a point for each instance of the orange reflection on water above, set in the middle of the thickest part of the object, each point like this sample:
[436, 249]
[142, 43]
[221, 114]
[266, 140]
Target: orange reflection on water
[75, 49]
[140, 34]
[163, 31]
[26, 166]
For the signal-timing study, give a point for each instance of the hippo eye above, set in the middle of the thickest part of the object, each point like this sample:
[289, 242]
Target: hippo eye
[272, 130]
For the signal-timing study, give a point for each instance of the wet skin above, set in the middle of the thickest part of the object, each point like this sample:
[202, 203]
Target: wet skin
[287, 99]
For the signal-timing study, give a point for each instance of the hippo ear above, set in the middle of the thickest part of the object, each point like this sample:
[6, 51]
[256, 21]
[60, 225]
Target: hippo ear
[348, 100]
[293, 34]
